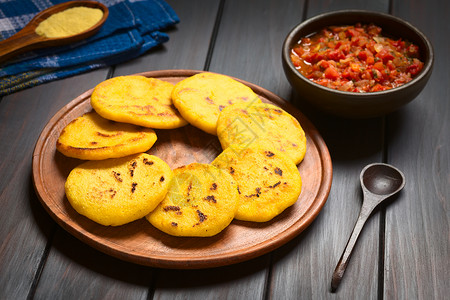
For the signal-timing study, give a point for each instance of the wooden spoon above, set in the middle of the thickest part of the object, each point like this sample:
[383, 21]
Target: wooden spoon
[378, 181]
[27, 39]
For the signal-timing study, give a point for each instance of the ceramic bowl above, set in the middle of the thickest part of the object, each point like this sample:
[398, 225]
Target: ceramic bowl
[352, 104]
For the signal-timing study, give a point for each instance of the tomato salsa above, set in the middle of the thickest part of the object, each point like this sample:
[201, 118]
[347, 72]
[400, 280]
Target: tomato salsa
[356, 59]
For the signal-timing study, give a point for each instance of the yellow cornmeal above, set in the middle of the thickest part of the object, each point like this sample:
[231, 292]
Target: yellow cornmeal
[69, 22]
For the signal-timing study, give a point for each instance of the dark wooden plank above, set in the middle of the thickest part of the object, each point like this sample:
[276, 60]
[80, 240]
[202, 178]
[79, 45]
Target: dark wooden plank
[253, 53]
[315, 253]
[71, 270]
[25, 227]
[217, 283]
[417, 241]
[234, 42]
[189, 41]
[249, 42]
[245, 280]
[241, 281]
[319, 7]
[417, 244]
[76, 271]
[247, 52]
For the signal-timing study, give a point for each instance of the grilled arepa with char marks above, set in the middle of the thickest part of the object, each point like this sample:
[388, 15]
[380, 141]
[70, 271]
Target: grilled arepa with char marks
[268, 181]
[264, 123]
[137, 100]
[91, 137]
[119, 190]
[201, 97]
[201, 201]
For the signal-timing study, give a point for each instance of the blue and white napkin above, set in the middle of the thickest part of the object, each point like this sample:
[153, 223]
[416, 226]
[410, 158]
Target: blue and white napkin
[132, 28]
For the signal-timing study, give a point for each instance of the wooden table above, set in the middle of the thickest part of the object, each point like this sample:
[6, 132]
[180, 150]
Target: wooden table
[404, 250]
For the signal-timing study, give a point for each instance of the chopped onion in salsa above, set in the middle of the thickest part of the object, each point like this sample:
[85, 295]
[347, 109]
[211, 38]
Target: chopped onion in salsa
[356, 59]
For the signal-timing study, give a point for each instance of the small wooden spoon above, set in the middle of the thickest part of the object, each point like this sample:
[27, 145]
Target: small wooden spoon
[27, 39]
[378, 181]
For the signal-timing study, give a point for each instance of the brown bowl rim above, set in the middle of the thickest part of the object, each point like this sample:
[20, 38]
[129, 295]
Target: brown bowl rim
[289, 41]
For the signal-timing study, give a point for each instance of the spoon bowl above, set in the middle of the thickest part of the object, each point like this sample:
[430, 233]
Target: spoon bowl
[378, 181]
[27, 39]
[382, 179]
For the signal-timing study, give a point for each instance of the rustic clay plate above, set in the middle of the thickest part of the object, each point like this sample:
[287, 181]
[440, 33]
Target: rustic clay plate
[139, 242]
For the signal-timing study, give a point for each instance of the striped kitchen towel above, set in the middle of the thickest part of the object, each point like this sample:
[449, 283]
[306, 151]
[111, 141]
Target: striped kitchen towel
[132, 28]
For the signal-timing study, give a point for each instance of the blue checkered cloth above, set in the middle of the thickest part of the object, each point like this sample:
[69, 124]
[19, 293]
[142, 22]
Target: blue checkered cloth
[132, 28]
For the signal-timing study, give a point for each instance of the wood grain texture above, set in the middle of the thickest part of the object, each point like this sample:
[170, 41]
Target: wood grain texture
[417, 227]
[88, 274]
[189, 41]
[25, 227]
[245, 280]
[318, 7]
[353, 144]
[249, 41]
[36, 261]
[141, 243]
[316, 251]
[183, 50]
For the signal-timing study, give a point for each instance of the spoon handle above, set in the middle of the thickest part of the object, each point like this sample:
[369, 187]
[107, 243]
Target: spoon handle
[24, 40]
[338, 273]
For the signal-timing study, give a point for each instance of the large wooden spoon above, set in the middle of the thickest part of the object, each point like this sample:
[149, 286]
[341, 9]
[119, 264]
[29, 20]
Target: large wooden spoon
[27, 39]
